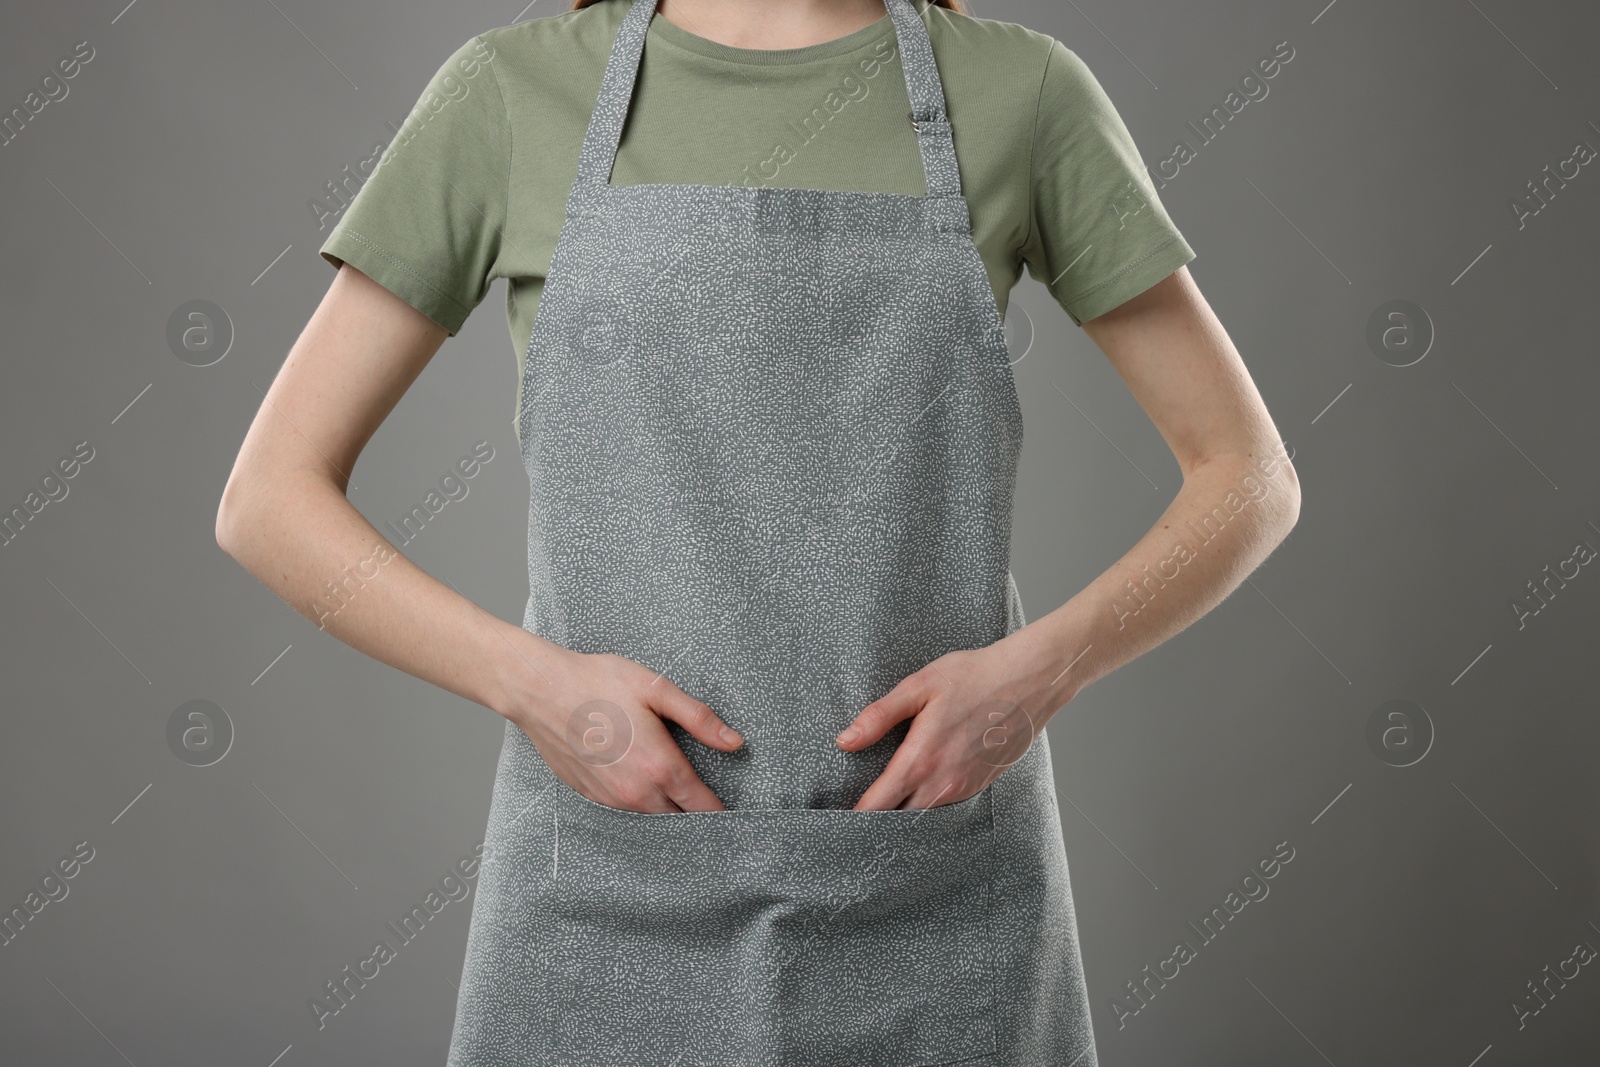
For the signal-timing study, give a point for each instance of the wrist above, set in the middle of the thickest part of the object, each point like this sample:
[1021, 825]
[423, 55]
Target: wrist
[524, 674]
[1049, 662]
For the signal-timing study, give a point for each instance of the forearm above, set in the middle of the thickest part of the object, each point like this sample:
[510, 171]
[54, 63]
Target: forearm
[307, 543]
[1230, 514]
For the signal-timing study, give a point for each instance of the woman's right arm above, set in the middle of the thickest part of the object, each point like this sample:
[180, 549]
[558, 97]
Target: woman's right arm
[285, 517]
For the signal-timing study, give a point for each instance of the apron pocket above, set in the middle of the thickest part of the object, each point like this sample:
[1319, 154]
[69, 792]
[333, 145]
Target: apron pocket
[778, 936]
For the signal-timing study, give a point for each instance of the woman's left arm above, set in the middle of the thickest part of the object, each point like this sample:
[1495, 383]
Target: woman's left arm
[975, 711]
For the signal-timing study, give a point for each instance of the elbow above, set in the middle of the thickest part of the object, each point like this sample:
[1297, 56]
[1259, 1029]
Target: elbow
[227, 520]
[234, 512]
[1291, 497]
[253, 501]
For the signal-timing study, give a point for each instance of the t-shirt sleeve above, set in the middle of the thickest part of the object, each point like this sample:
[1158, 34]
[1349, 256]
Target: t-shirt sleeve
[427, 223]
[1100, 235]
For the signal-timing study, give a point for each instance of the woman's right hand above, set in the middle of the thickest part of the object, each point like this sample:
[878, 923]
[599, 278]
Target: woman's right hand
[285, 517]
[596, 718]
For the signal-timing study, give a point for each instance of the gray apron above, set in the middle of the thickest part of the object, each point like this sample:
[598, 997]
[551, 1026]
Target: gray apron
[772, 438]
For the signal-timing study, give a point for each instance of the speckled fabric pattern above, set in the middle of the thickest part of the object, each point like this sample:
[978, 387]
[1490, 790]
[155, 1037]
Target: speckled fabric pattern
[771, 436]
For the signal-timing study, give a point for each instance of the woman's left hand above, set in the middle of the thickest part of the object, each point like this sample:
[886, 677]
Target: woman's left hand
[974, 713]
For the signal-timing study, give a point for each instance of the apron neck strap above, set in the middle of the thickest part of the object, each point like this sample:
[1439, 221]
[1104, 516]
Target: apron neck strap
[923, 87]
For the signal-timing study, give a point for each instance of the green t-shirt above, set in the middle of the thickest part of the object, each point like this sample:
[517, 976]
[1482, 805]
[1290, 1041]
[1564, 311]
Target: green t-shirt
[474, 185]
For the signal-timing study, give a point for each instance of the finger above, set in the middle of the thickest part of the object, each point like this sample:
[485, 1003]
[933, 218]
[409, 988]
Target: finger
[660, 804]
[926, 796]
[661, 767]
[667, 806]
[641, 798]
[692, 794]
[670, 771]
[880, 716]
[891, 787]
[670, 702]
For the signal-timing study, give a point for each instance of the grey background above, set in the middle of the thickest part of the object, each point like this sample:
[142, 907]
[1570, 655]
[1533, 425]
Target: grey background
[1420, 900]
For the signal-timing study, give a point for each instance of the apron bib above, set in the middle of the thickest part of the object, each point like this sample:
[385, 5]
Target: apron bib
[772, 437]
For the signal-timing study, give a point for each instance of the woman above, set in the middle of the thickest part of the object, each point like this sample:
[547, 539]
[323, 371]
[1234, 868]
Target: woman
[774, 787]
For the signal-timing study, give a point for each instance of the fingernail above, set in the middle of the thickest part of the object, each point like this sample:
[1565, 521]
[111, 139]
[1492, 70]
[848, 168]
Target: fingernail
[729, 737]
[850, 735]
